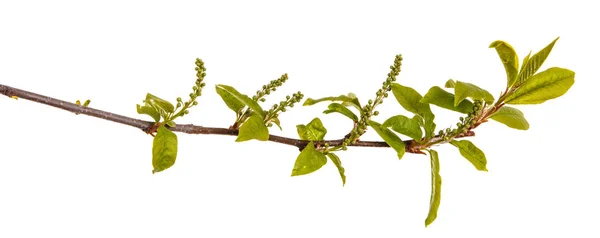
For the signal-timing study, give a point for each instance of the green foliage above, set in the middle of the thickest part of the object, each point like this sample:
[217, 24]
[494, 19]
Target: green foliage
[511, 117]
[531, 65]
[232, 95]
[160, 104]
[309, 160]
[471, 153]
[441, 98]
[548, 84]
[253, 128]
[164, 149]
[346, 100]
[436, 188]
[313, 131]
[404, 125]
[390, 138]
[509, 58]
[148, 110]
[464, 90]
[231, 101]
[410, 100]
[450, 83]
[339, 108]
[338, 163]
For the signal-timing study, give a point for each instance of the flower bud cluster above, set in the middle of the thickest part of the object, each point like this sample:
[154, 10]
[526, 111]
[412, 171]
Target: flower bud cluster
[196, 89]
[289, 101]
[271, 87]
[465, 124]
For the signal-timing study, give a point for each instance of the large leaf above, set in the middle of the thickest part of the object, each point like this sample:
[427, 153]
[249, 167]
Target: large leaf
[436, 188]
[511, 117]
[349, 99]
[339, 108]
[313, 131]
[463, 90]
[471, 153]
[231, 101]
[509, 58]
[548, 84]
[231, 93]
[410, 100]
[338, 163]
[308, 161]
[531, 65]
[390, 138]
[159, 103]
[148, 110]
[164, 149]
[404, 125]
[441, 98]
[253, 128]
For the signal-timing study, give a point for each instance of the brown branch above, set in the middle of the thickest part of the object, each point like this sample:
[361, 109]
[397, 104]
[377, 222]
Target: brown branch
[185, 128]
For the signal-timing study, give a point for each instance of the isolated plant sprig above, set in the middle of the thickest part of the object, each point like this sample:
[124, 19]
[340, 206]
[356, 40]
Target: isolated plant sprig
[524, 86]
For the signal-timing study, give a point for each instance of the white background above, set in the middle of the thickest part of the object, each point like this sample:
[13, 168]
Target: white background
[66, 175]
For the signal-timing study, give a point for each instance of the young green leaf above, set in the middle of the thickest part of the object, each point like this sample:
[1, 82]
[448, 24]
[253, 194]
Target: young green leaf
[511, 117]
[160, 103]
[548, 84]
[404, 125]
[509, 58]
[450, 83]
[436, 188]
[164, 149]
[338, 163]
[429, 127]
[277, 122]
[471, 153]
[464, 90]
[148, 110]
[350, 99]
[441, 98]
[390, 138]
[336, 107]
[531, 65]
[253, 128]
[410, 100]
[230, 92]
[309, 160]
[313, 131]
[232, 102]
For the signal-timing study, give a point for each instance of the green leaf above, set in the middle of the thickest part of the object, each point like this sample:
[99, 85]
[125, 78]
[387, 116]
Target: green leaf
[336, 107]
[313, 131]
[276, 121]
[171, 124]
[429, 127]
[350, 99]
[309, 160]
[450, 83]
[230, 92]
[441, 98]
[160, 103]
[471, 153]
[404, 125]
[86, 103]
[410, 100]
[390, 138]
[338, 163]
[511, 117]
[164, 149]
[509, 58]
[148, 110]
[531, 65]
[253, 128]
[436, 188]
[232, 102]
[466, 90]
[548, 84]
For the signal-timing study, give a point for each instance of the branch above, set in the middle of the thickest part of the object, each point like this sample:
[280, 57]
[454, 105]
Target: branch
[185, 128]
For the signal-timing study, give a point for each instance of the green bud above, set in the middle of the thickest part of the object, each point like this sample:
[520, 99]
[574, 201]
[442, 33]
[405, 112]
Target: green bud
[195, 103]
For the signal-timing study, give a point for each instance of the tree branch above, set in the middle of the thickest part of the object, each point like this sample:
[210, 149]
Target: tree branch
[185, 128]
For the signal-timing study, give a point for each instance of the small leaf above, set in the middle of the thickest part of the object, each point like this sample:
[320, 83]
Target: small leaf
[441, 98]
[86, 103]
[232, 102]
[390, 138]
[531, 65]
[336, 107]
[546, 85]
[350, 99]
[464, 90]
[429, 127]
[509, 58]
[338, 163]
[160, 103]
[313, 131]
[171, 124]
[148, 110]
[511, 117]
[450, 83]
[309, 160]
[164, 149]
[230, 92]
[436, 188]
[404, 125]
[78, 102]
[277, 122]
[471, 153]
[253, 128]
